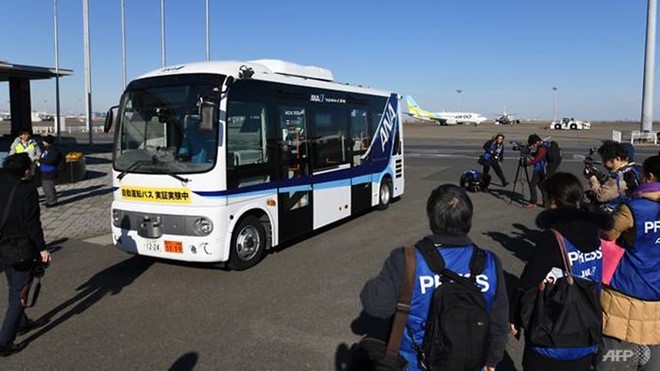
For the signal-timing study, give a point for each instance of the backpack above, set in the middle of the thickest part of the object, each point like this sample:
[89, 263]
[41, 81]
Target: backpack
[457, 325]
[554, 152]
[473, 181]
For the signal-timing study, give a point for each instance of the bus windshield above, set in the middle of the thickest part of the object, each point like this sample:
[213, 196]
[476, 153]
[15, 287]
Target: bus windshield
[159, 128]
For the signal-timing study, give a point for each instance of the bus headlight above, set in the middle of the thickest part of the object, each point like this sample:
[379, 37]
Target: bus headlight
[115, 215]
[203, 226]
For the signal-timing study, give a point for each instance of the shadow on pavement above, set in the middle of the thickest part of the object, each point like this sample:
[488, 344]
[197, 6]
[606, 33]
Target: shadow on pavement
[69, 192]
[110, 281]
[509, 196]
[521, 242]
[186, 362]
[99, 192]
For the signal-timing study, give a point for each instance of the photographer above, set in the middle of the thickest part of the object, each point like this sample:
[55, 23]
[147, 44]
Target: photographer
[623, 178]
[21, 222]
[538, 161]
[493, 156]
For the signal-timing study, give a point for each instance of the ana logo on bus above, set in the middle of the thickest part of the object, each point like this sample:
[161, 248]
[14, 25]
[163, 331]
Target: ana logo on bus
[386, 128]
[317, 98]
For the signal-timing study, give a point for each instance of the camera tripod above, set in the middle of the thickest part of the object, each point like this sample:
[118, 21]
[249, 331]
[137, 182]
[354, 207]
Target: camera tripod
[518, 178]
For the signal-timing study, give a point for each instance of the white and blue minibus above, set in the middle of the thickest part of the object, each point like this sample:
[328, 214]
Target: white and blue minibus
[221, 161]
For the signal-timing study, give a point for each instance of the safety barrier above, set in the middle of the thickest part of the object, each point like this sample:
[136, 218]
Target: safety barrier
[644, 137]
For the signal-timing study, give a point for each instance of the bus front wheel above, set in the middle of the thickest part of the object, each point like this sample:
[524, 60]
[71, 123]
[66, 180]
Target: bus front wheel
[248, 243]
[385, 194]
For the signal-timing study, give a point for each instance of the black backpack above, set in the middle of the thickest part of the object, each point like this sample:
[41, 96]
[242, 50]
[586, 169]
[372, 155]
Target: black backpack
[554, 152]
[457, 326]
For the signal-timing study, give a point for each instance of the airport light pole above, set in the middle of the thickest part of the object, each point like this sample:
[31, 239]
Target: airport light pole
[57, 71]
[460, 102]
[162, 31]
[649, 67]
[554, 104]
[123, 46]
[208, 35]
[88, 72]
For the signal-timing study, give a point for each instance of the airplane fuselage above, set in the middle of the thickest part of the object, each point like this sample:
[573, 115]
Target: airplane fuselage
[454, 118]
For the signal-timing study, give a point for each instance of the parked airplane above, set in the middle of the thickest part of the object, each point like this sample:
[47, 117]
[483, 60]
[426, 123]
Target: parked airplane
[443, 118]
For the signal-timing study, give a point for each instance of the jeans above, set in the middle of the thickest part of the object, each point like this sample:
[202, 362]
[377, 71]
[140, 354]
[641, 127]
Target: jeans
[49, 191]
[497, 168]
[15, 317]
[537, 178]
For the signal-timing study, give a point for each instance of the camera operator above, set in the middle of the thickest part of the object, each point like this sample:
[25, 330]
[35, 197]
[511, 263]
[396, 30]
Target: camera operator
[493, 156]
[539, 152]
[623, 178]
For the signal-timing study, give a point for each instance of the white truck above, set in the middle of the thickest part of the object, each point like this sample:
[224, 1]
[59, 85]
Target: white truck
[569, 123]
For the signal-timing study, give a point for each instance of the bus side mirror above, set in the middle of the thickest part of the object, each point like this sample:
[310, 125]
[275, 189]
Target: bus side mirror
[207, 115]
[228, 83]
[109, 119]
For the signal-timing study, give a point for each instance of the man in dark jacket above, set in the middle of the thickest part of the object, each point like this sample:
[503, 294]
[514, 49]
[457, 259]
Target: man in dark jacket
[50, 161]
[449, 210]
[23, 220]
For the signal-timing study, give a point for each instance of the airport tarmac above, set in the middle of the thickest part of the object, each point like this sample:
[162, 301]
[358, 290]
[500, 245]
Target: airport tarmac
[296, 309]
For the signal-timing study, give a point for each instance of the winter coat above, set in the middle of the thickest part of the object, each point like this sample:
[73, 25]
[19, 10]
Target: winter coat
[626, 317]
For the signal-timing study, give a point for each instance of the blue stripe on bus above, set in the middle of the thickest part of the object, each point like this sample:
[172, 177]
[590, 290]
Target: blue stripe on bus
[296, 189]
[334, 184]
[361, 179]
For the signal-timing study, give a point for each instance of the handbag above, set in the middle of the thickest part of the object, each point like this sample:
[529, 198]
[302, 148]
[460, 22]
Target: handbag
[14, 250]
[566, 313]
[612, 254]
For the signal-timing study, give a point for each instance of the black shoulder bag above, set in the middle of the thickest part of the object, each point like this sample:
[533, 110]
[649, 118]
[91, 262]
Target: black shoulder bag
[566, 313]
[14, 250]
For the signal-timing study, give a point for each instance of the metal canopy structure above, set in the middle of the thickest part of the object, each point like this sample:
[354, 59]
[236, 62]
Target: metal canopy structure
[19, 77]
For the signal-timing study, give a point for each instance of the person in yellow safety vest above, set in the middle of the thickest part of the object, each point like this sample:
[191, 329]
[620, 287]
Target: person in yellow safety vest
[23, 143]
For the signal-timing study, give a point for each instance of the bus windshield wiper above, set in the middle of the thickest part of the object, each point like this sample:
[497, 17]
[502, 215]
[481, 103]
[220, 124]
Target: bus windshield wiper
[133, 166]
[177, 177]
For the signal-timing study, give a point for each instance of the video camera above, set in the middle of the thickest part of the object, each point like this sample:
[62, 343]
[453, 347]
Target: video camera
[519, 146]
[591, 167]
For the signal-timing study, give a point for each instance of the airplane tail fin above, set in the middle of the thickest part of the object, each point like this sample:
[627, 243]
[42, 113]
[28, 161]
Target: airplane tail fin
[411, 102]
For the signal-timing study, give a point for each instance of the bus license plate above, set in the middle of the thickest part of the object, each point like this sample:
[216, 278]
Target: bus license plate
[152, 246]
[174, 246]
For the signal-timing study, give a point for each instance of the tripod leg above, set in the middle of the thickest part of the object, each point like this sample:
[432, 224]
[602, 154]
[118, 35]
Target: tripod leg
[515, 181]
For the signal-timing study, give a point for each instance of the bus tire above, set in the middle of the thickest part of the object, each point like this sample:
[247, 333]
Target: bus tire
[385, 194]
[248, 243]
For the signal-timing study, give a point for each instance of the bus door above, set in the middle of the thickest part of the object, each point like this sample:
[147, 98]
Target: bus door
[331, 164]
[295, 198]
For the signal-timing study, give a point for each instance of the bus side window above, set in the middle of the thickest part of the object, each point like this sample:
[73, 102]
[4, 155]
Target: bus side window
[292, 141]
[361, 135]
[331, 144]
[247, 149]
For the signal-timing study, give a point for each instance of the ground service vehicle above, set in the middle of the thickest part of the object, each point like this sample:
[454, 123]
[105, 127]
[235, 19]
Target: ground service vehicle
[570, 123]
[221, 161]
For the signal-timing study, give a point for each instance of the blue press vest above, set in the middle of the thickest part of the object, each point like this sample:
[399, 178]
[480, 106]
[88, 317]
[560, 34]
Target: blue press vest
[493, 150]
[637, 173]
[456, 259]
[638, 272]
[584, 265]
